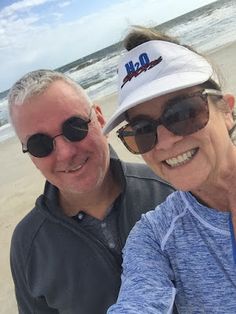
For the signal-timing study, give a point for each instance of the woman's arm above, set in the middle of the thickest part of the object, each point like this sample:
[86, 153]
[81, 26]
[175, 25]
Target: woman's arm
[147, 280]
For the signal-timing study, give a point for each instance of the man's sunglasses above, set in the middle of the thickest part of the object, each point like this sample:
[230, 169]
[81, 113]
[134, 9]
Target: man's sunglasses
[182, 115]
[74, 129]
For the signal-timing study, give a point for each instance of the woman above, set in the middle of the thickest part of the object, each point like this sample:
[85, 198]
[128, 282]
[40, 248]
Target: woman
[182, 253]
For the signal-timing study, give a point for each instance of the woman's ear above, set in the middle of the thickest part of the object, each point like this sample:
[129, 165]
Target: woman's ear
[230, 101]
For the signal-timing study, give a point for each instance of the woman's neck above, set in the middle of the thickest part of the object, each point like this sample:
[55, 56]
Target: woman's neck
[221, 195]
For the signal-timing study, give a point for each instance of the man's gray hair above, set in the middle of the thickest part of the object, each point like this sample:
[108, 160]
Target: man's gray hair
[36, 82]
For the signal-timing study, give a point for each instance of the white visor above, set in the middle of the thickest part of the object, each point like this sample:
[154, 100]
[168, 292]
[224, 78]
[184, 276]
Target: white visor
[153, 69]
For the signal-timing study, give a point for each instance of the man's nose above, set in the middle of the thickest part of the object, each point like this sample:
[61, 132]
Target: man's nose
[64, 149]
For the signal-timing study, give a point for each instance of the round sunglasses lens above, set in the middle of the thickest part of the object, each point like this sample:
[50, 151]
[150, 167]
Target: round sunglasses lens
[40, 145]
[75, 129]
[143, 137]
[186, 116]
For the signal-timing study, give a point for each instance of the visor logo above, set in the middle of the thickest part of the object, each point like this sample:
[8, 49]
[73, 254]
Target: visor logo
[134, 69]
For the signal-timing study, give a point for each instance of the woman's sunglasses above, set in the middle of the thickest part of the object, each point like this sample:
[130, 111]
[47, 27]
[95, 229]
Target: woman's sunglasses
[74, 129]
[182, 116]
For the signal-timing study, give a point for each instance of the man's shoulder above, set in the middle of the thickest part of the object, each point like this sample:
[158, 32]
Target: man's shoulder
[136, 171]
[26, 230]
[143, 187]
[143, 172]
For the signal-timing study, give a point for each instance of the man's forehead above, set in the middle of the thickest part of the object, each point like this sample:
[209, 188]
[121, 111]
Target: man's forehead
[45, 109]
[56, 94]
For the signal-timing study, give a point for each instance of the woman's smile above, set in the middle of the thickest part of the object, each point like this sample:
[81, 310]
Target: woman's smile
[181, 159]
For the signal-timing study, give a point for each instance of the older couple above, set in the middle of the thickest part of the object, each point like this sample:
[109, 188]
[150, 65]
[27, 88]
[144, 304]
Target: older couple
[66, 253]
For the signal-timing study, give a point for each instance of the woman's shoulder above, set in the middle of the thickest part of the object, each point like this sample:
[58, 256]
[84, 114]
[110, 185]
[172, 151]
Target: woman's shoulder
[165, 216]
[173, 206]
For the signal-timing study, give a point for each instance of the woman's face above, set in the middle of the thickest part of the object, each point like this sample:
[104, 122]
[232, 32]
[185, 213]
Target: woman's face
[189, 162]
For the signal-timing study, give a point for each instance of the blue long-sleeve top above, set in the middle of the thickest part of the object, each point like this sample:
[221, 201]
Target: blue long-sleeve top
[180, 253]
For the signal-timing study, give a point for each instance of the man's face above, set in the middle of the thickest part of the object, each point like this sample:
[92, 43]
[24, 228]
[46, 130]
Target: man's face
[74, 167]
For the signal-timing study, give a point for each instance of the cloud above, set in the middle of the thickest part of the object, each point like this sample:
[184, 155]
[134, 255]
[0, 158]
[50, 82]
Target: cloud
[20, 6]
[18, 22]
[29, 41]
[64, 4]
[57, 15]
[14, 33]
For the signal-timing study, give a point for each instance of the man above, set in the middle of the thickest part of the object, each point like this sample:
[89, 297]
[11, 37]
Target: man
[66, 253]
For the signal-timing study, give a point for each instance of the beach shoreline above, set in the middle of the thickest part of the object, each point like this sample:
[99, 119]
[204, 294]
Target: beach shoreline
[21, 183]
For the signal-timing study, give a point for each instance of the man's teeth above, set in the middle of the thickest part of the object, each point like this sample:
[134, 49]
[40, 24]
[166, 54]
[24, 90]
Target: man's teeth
[181, 159]
[73, 169]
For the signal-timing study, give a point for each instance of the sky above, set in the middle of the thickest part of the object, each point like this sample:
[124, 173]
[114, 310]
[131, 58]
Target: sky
[50, 33]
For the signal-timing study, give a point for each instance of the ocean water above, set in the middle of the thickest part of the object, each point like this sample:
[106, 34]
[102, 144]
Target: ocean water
[207, 29]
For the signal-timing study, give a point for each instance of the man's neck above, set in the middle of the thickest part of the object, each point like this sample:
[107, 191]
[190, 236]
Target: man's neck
[94, 203]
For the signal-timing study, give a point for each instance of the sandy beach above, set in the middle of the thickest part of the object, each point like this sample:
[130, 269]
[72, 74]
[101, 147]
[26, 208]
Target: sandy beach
[21, 183]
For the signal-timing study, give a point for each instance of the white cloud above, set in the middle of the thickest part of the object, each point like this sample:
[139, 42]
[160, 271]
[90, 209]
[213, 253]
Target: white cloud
[17, 30]
[57, 15]
[20, 6]
[15, 27]
[64, 4]
[26, 45]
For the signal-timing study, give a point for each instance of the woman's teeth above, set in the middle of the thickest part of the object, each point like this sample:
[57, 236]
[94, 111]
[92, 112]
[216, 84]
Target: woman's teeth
[181, 159]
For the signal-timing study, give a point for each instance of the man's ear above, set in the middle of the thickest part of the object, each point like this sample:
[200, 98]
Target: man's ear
[99, 114]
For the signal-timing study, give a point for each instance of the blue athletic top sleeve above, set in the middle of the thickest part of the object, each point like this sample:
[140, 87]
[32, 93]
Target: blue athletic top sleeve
[180, 253]
[232, 238]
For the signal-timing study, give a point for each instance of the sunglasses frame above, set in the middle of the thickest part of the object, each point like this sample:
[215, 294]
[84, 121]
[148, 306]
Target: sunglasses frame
[87, 121]
[122, 133]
